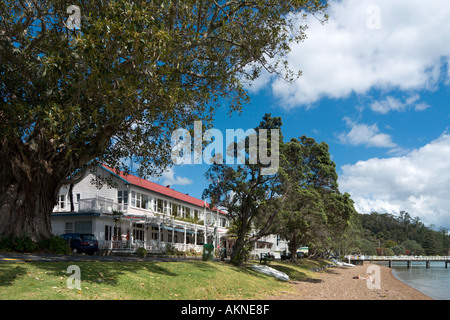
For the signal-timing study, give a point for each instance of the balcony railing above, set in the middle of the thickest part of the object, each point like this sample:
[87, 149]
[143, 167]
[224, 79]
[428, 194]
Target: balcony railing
[149, 245]
[101, 205]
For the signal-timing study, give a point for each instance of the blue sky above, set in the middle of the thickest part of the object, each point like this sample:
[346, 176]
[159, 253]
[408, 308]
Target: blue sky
[376, 88]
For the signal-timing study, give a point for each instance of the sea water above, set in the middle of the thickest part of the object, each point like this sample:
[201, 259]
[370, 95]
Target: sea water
[434, 281]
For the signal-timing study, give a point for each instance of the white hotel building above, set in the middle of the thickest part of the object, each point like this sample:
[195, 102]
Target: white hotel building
[132, 212]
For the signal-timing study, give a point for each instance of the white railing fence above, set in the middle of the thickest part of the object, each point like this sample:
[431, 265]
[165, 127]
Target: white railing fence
[150, 246]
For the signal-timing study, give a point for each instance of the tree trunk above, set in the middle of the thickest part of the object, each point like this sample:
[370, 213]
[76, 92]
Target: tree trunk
[72, 205]
[240, 252]
[293, 246]
[28, 193]
[25, 210]
[237, 254]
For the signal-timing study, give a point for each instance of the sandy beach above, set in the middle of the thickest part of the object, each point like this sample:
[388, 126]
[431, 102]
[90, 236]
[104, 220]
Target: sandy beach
[337, 283]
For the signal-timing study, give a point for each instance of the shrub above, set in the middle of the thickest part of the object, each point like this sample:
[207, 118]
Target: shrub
[55, 245]
[192, 252]
[141, 252]
[170, 249]
[17, 244]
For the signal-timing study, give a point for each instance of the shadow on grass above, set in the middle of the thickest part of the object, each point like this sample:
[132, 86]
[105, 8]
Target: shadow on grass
[292, 272]
[204, 266]
[9, 272]
[107, 273]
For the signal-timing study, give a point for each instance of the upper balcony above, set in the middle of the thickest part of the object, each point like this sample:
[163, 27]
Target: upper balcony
[101, 205]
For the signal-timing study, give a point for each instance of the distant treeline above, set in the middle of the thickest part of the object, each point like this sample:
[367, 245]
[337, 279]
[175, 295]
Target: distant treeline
[387, 234]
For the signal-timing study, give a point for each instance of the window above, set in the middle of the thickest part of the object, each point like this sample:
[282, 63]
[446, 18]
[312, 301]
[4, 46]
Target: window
[108, 232]
[175, 209]
[181, 211]
[140, 200]
[187, 213]
[77, 197]
[196, 214]
[159, 205]
[117, 232]
[83, 227]
[133, 198]
[122, 196]
[138, 234]
[62, 201]
[69, 227]
[145, 202]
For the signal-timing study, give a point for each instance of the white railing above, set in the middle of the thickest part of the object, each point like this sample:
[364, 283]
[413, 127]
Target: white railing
[101, 205]
[150, 245]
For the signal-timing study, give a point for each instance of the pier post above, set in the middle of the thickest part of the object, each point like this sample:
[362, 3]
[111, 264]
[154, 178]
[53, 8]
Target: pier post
[390, 263]
[409, 264]
[428, 264]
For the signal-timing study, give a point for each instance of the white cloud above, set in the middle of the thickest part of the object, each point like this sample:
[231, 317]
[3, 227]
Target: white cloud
[168, 178]
[395, 104]
[364, 134]
[418, 183]
[405, 51]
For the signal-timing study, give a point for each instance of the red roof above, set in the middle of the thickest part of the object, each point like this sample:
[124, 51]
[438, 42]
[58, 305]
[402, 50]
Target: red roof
[152, 186]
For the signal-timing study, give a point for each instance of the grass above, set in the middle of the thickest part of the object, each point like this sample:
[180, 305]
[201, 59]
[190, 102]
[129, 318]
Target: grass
[188, 280]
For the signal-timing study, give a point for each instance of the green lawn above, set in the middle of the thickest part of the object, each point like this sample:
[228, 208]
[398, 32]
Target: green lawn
[188, 280]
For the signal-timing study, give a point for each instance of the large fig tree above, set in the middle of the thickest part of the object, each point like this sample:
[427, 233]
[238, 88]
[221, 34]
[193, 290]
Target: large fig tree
[89, 81]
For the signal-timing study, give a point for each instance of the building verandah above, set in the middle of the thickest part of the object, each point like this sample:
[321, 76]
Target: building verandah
[157, 234]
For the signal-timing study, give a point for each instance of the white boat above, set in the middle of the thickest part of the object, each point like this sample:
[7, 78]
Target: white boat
[271, 272]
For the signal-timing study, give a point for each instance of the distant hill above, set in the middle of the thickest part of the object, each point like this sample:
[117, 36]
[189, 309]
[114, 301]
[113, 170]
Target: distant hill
[387, 234]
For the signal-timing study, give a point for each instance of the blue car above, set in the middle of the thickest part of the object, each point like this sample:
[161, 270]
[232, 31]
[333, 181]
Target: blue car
[82, 242]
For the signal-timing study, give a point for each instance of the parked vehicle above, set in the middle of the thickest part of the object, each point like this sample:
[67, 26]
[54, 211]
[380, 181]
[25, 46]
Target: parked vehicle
[82, 242]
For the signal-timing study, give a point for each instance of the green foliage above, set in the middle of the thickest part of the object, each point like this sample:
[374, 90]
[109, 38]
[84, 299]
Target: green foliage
[254, 201]
[17, 244]
[314, 213]
[55, 245]
[170, 249]
[117, 88]
[402, 234]
[141, 252]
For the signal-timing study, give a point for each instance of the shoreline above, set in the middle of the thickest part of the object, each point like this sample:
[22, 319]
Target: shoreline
[337, 283]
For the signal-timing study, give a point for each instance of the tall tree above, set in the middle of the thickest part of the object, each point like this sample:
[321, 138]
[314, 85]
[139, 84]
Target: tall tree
[315, 212]
[116, 86]
[250, 197]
